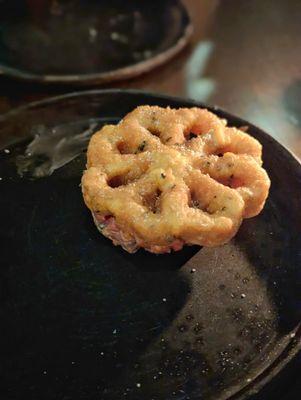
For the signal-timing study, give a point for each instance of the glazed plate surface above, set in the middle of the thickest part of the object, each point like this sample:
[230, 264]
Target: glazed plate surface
[82, 319]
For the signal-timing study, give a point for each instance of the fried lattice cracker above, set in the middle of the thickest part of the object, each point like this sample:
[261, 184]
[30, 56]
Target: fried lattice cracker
[164, 177]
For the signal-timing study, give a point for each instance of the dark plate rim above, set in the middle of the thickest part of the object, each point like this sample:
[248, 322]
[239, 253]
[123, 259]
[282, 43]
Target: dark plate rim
[294, 345]
[118, 74]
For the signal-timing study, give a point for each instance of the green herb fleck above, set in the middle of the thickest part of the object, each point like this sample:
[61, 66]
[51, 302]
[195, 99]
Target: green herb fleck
[153, 116]
[141, 146]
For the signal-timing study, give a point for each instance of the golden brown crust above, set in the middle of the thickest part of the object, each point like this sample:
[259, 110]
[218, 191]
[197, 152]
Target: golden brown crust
[161, 184]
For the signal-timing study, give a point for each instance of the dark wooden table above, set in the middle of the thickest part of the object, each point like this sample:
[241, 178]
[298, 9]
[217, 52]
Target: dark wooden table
[245, 56]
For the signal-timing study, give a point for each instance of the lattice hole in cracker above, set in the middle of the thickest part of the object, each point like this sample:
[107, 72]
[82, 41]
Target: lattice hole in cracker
[220, 151]
[196, 202]
[152, 201]
[190, 135]
[124, 148]
[116, 181]
[155, 132]
[121, 180]
[231, 181]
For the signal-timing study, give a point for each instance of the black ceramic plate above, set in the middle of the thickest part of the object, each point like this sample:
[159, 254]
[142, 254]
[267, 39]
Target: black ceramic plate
[82, 319]
[83, 42]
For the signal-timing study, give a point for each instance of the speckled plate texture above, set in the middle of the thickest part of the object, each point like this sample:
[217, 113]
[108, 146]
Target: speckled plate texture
[84, 42]
[82, 319]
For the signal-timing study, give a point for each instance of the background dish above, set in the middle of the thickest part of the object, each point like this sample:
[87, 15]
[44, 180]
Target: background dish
[83, 42]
